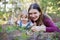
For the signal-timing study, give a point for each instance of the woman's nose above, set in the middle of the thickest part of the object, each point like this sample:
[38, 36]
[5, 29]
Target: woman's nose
[33, 15]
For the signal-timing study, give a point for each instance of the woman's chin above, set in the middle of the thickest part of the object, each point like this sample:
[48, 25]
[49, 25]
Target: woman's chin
[34, 20]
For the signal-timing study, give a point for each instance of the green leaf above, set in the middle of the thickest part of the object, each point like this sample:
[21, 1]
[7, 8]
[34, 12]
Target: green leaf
[0, 28]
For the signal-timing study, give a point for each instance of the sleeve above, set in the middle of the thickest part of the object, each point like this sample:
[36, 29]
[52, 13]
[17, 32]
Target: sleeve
[50, 25]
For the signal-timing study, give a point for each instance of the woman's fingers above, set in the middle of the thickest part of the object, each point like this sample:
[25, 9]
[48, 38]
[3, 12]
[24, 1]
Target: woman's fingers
[38, 28]
[34, 29]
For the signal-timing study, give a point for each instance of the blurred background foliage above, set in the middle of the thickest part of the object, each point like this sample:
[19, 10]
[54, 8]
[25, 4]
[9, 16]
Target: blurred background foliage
[12, 8]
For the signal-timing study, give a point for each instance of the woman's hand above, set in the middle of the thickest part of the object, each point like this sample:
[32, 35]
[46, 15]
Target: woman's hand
[38, 28]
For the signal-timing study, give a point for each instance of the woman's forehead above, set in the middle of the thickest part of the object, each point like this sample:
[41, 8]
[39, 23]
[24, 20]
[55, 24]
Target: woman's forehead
[33, 10]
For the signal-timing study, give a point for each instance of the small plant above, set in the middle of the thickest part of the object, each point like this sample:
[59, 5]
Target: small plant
[56, 36]
[1, 29]
[10, 29]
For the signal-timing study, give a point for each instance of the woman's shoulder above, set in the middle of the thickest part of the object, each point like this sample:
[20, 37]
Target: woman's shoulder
[46, 17]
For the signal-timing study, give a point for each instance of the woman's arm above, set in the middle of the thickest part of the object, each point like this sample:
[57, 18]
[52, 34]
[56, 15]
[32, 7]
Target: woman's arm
[50, 25]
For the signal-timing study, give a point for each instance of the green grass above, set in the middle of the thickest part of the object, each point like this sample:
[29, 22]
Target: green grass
[24, 36]
[9, 29]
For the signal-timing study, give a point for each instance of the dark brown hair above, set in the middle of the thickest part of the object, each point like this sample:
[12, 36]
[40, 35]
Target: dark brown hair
[36, 6]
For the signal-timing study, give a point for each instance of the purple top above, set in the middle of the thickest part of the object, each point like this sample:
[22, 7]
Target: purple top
[50, 25]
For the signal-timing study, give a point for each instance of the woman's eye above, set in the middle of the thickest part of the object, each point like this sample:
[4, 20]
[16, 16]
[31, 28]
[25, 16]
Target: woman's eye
[30, 13]
[35, 13]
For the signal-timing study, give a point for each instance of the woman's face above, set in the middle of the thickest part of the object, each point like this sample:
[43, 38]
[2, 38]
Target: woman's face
[34, 14]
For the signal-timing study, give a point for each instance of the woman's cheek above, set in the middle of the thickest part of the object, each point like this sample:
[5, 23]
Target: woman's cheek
[37, 14]
[30, 16]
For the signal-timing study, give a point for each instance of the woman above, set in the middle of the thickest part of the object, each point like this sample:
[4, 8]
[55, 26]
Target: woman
[36, 16]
